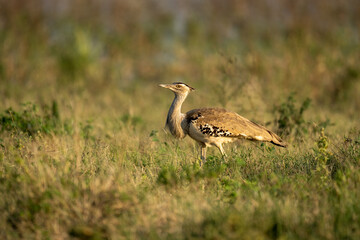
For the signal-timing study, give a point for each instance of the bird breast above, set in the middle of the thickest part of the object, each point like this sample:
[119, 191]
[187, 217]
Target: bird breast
[176, 126]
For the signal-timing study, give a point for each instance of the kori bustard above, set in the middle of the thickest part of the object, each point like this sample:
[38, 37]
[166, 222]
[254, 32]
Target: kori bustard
[212, 126]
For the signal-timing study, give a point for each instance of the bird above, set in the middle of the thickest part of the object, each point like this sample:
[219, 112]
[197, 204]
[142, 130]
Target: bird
[212, 126]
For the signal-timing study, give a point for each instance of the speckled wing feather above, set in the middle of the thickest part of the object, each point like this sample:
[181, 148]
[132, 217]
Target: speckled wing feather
[218, 122]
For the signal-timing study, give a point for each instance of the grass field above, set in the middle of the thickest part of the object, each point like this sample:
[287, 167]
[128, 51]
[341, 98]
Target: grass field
[83, 154]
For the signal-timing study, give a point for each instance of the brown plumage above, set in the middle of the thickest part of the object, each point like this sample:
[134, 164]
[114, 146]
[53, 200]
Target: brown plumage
[212, 126]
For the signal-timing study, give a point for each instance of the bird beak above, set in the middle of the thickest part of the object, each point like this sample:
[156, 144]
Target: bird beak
[164, 85]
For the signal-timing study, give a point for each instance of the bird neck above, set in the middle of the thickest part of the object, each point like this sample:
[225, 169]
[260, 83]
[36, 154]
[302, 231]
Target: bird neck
[175, 117]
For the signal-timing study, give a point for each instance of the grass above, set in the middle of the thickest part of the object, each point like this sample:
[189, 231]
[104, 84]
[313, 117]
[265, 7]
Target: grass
[82, 150]
[61, 187]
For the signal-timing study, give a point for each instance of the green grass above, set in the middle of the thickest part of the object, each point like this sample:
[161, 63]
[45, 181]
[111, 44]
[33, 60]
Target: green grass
[63, 185]
[83, 154]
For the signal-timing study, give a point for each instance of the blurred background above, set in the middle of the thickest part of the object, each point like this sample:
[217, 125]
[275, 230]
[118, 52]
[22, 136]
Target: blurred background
[104, 59]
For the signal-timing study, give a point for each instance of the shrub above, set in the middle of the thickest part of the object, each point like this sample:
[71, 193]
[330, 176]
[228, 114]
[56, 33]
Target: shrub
[290, 118]
[322, 157]
[29, 120]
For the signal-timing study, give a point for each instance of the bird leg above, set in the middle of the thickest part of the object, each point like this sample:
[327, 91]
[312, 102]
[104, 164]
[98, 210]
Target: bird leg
[202, 153]
[220, 147]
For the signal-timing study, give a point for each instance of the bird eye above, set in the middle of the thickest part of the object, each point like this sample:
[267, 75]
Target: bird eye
[177, 86]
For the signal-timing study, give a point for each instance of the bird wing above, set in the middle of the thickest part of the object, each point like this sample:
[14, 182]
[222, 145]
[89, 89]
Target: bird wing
[218, 122]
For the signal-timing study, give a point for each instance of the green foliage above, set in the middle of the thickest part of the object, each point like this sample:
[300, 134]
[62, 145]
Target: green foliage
[318, 128]
[351, 149]
[131, 121]
[322, 158]
[187, 173]
[213, 167]
[86, 129]
[154, 136]
[231, 188]
[290, 118]
[31, 120]
[168, 176]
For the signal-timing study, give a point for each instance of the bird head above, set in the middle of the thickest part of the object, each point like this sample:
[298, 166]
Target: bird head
[178, 88]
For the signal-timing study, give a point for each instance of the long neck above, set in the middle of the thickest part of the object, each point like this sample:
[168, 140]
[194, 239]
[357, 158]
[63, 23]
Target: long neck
[175, 117]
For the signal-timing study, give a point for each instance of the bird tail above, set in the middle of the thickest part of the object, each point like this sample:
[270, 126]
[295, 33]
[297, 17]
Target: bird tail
[276, 140]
